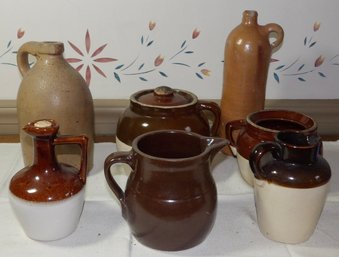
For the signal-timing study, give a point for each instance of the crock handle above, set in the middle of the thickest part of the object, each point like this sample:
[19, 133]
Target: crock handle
[215, 110]
[259, 152]
[117, 157]
[279, 33]
[83, 142]
[230, 128]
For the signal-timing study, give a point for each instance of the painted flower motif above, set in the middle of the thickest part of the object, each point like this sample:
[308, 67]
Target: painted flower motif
[20, 33]
[319, 61]
[158, 61]
[195, 33]
[206, 72]
[151, 25]
[88, 59]
[316, 26]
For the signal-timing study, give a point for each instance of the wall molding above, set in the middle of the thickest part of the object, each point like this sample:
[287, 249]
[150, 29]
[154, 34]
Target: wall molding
[107, 112]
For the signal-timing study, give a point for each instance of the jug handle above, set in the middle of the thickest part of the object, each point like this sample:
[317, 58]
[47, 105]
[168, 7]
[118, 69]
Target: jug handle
[83, 142]
[278, 30]
[35, 48]
[259, 152]
[230, 128]
[117, 157]
[215, 110]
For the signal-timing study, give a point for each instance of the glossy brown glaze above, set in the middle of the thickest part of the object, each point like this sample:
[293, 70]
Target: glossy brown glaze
[166, 108]
[246, 62]
[170, 198]
[292, 160]
[262, 126]
[53, 88]
[46, 179]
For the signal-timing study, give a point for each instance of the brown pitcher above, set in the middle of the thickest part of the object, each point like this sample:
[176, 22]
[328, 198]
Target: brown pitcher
[291, 179]
[170, 198]
[47, 196]
[246, 62]
[52, 88]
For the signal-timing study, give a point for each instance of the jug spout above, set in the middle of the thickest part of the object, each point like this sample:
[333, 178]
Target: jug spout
[214, 145]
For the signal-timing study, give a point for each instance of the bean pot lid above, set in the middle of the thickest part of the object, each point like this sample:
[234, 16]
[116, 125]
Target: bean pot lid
[164, 97]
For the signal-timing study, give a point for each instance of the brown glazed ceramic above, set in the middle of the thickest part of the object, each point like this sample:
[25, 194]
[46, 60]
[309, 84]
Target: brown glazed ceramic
[52, 88]
[246, 62]
[262, 126]
[170, 198]
[165, 108]
[290, 185]
[46, 179]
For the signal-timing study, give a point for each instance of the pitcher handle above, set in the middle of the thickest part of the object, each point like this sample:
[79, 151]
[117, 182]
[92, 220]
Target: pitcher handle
[259, 152]
[278, 30]
[230, 128]
[215, 110]
[83, 142]
[117, 157]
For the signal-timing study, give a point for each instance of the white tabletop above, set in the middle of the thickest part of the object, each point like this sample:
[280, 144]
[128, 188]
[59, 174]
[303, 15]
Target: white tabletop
[103, 232]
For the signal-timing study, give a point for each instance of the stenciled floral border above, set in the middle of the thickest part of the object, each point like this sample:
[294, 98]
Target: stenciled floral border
[301, 70]
[136, 67]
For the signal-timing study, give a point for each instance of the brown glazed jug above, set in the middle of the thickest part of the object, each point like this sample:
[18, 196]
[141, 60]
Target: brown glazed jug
[47, 196]
[246, 61]
[170, 199]
[165, 108]
[52, 88]
[291, 179]
[261, 126]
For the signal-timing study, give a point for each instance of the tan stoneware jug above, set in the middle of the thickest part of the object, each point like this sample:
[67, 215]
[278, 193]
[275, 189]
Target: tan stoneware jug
[170, 200]
[291, 179]
[47, 196]
[52, 88]
[246, 62]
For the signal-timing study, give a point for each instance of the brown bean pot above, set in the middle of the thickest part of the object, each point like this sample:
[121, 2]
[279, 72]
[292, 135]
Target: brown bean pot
[165, 108]
[261, 126]
[170, 199]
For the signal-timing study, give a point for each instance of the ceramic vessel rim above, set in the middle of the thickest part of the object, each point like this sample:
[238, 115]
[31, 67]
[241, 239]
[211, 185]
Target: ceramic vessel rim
[163, 131]
[249, 121]
[135, 101]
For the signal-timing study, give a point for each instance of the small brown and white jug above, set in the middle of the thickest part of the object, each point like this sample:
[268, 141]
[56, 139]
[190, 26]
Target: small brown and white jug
[291, 180]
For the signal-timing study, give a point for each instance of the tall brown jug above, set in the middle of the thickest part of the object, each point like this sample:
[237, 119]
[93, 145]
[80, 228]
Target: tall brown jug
[52, 89]
[246, 61]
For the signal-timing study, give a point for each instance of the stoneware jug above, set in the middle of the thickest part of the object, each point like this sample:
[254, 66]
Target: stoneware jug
[261, 126]
[290, 185]
[246, 62]
[48, 197]
[170, 199]
[51, 88]
[165, 108]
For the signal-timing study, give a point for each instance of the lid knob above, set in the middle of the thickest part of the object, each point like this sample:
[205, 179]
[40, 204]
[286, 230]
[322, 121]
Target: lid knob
[163, 91]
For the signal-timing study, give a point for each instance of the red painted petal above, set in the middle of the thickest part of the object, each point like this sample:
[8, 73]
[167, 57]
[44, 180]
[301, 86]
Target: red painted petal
[88, 41]
[99, 50]
[72, 60]
[76, 49]
[105, 59]
[79, 67]
[99, 70]
[88, 75]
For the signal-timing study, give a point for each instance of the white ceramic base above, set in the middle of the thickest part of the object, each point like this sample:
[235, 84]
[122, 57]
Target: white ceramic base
[245, 169]
[47, 221]
[121, 146]
[288, 215]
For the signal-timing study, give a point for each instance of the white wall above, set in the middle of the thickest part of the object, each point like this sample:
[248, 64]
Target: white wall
[122, 23]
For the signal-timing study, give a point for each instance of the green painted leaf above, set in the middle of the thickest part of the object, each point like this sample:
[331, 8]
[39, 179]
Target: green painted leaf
[9, 43]
[280, 67]
[117, 77]
[119, 66]
[142, 40]
[312, 44]
[183, 44]
[150, 43]
[189, 52]
[301, 79]
[142, 78]
[276, 77]
[141, 66]
[305, 41]
[201, 64]
[180, 63]
[301, 66]
[199, 76]
[322, 74]
[163, 74]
